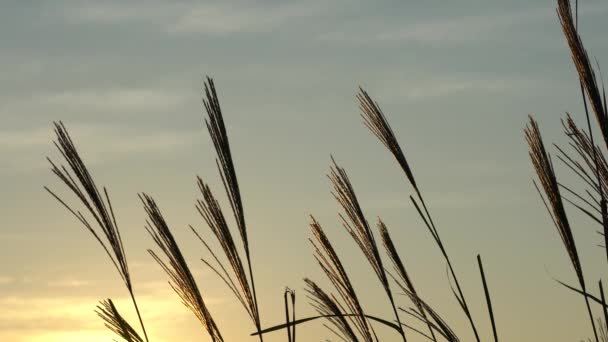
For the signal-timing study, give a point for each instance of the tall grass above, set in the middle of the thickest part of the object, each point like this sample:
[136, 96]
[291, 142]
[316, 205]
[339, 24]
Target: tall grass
[585, 158]
[343, 311]
[411, 317]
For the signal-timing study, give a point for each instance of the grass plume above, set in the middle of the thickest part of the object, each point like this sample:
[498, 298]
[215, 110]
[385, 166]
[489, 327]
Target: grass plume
[331, 265]
[182, 281]
[377, 123]
[541, 160]
[80, 182]
[225, 164]
[404, 279]
[357, 226]
[114, 321]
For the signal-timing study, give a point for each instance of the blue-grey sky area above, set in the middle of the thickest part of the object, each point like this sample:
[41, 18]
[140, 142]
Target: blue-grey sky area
[456, 80]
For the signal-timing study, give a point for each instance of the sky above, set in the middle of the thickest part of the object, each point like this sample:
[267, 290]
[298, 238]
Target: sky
[456, 80]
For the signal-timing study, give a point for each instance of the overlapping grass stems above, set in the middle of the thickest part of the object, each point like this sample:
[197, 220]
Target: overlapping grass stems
[182, 281]
[80, 182]
[345, 315]
[115, 322]
[586, 159]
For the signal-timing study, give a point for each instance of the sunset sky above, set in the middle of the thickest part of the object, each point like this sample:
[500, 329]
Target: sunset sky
[456, 80]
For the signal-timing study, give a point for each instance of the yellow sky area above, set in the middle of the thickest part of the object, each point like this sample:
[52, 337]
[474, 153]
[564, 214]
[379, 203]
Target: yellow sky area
[67, 318]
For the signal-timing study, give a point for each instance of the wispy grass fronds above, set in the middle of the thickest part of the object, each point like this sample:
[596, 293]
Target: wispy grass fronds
[177, 269]
[375, 120]
[219, 136]
[97, 203]
[357, 226]
[591, 88]
[541, 160]
[435, 320]
[405, 281]
[220, 270]
[329, 306]
[330, 263]
[587, 153]
[114, 321]
[584, 67]
[589, 164]
[209, 208]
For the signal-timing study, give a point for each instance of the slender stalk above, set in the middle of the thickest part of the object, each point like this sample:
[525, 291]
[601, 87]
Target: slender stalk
[219, 136]
[603, 206]
[287, 319]
[258, 324]
[461, 298]
[591, 317]
[488, 301]
[604, 309]
[377, 123]
[360, 230]
[141, 322]
[401, 330]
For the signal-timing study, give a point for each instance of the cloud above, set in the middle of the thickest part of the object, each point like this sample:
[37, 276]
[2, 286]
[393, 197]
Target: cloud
[210, 18]
[25, 149]
[423, 88]
[108, 12]
[114, 100]
[223, 19]
[24, 139]
[68, 283]
[442, 30]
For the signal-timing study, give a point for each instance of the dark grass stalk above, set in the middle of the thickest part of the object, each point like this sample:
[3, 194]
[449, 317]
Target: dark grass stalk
[603, 327]
[601, 188]
[327, 305]
[287, 318]
[313, 318]
[219, 136]
[594, 161]
[375, 120]
[488, 298]
[582, 293]
[114, 321]
[583, 66]
[223, 275]
[177, 269]
[209, 208]
[357, 226]
[291, 329]
[589, 85]
[293, 315]
[331, 265]
[399, 267]
[543, 166]
[438, 323]
[80, 182]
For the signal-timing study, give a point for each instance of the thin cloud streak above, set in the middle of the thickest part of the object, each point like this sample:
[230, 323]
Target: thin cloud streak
[25, 149]
[225, 20]
[442, 31]
[215, 18]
